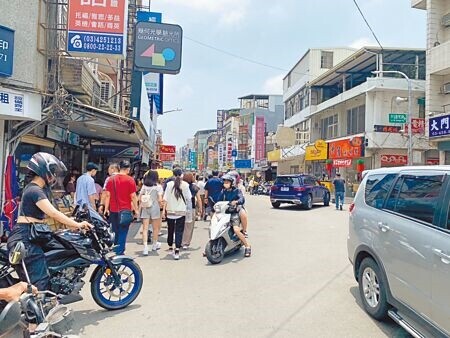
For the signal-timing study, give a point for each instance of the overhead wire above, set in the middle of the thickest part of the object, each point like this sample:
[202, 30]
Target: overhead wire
[367, 23]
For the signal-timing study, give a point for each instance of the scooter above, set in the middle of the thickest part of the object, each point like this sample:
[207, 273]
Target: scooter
[222, 239]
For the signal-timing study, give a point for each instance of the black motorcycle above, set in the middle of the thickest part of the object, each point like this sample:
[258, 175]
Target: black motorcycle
[115, 282]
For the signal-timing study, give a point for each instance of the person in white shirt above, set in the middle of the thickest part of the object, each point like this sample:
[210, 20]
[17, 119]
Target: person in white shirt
[176, 196]
[201, 186]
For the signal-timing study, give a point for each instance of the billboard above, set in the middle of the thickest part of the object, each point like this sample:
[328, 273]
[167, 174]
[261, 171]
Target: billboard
[97, 27]
[260, 138]
[167, 153]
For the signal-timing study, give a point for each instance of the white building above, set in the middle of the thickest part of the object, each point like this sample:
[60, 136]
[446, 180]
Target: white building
[438, 72]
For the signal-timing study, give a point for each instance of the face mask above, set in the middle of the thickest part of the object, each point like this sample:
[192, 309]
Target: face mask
[227, 185]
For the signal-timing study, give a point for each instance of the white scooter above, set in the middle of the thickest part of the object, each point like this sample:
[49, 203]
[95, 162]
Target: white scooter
[222, 239]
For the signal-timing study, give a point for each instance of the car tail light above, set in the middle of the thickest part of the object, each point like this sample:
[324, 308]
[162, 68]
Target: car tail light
[352, 207]
[273, 188]
[299, 188]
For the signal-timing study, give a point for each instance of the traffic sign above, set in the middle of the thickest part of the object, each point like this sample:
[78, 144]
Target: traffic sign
[397, 118]
[234, 153]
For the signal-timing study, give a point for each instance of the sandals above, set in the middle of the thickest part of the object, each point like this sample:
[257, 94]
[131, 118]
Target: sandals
[248, 252]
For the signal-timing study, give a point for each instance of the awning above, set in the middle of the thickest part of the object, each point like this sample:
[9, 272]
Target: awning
[37, 141]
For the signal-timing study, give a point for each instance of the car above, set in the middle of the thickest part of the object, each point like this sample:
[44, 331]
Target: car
[399, 245]
[298, 189]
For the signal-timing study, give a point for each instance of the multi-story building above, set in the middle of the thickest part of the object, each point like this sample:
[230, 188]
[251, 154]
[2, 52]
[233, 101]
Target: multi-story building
[201, 146]
[438, 73]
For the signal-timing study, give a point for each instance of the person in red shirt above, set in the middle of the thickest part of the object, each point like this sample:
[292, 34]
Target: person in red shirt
[120, 194]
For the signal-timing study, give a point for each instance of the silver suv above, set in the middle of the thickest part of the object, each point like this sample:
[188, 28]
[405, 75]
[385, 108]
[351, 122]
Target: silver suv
[399, 245]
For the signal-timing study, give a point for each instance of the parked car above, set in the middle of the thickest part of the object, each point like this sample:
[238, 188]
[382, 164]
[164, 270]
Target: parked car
[399, 245]
[300, 189]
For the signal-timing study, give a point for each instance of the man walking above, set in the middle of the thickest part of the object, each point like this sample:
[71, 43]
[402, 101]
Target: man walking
[120, 201]
[85, 188]
[213, 188]
[113, 169]
[339, 191]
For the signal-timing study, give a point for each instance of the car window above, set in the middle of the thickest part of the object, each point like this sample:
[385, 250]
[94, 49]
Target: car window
[377, 189]
[416, 196]
[309, 180]
[287, 180]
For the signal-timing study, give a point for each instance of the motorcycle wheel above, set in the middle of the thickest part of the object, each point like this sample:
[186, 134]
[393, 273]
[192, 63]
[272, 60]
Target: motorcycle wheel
[215, 251]
[110, 297]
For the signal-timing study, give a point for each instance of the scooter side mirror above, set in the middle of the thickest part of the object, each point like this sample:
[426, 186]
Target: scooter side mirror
[17, 255]
[10, 317]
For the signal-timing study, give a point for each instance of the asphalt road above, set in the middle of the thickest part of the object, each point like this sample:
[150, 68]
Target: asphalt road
[298, 283]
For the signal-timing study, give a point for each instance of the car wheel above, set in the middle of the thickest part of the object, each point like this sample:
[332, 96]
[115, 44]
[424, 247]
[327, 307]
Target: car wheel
[326, 199]
[372, 289]
[276, 205]
[309, 202]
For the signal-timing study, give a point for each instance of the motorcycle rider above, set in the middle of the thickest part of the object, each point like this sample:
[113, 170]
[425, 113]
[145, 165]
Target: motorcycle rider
[243, 212]
[35, 204]
[234, 195]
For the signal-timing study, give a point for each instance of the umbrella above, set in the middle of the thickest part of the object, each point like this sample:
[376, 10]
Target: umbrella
[164, 173]
[11, 192]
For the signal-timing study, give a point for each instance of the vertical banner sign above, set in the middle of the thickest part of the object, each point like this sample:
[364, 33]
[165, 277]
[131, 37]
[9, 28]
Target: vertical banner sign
[260, 131]
[220, 154]
[97, 27]
[229, 152]
[6, 51]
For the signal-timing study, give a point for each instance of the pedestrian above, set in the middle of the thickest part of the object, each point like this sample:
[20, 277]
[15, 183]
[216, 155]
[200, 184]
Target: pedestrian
[113, 169]
[201, 186]
[85, 192]
[213, 188]
[150, 202]
[339, 191]
[191, 210]
[176, 197]
[120, 203]
[99, 190]
[70, 185]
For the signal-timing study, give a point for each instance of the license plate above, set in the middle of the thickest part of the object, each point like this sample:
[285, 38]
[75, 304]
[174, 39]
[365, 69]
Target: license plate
[284, 189]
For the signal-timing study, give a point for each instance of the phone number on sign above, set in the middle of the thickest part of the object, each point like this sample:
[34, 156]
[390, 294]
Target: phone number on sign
[102, 47]
[102, 39]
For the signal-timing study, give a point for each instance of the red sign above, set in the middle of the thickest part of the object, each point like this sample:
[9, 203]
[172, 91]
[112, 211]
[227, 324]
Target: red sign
[167, 149]
[100, 16]
[167, 157]
[433, 161]
[349, 148]
[418, 126]
[394, 160]
[341, 163]
[260, 138]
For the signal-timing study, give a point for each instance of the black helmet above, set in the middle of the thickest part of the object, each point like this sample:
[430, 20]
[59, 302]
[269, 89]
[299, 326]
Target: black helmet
[47, 166]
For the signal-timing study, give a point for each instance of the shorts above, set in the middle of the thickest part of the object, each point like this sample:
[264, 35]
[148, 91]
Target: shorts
[151, 213]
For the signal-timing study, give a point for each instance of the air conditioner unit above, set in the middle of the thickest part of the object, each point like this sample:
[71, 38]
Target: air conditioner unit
[446, 20]
[106, 94]
[445, 88]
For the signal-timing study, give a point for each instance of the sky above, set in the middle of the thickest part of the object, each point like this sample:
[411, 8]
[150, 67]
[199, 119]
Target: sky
[276, 33]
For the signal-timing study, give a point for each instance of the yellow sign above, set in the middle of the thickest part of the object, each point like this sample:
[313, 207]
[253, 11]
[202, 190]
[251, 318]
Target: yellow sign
[274, 155]
[320, 144]
[313, 153]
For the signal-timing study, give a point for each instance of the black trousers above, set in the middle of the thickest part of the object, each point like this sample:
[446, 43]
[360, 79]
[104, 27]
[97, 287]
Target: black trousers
[177, 226]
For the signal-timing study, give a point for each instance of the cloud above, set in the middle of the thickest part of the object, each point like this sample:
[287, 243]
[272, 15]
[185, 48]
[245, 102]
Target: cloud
[363, 42]
[274, 85]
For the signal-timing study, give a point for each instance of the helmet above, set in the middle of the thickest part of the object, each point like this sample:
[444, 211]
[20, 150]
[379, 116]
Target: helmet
[47, 166]
[236, 175]
[228, 177]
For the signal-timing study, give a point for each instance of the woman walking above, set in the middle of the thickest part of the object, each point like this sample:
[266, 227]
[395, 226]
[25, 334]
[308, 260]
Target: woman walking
[176, 197]
[150, 200]
[191, 210]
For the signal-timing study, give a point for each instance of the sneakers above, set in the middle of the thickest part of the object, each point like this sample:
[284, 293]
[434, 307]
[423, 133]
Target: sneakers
[156, 246]
[176, 254]
[145, 252]
[185, 247]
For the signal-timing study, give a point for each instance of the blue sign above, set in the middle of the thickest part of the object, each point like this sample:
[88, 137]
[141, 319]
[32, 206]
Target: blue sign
[439, 126]
[234, 153]
[95, 43]
[6, 51]
[243, 164]
[149, 16]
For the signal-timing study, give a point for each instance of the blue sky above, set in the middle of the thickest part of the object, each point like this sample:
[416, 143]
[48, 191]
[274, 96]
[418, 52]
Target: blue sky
[277, 33]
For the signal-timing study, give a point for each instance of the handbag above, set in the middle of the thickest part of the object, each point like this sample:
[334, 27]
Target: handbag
[125, 216]
[146, 199]
[40, 233]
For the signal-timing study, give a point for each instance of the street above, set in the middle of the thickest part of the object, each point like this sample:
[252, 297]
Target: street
[298, 283]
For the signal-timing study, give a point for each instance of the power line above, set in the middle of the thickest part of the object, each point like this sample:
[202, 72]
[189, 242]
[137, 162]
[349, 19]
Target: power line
[240, 57]
[367, 23]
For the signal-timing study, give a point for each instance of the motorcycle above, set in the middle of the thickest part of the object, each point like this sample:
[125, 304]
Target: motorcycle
[115, 282]
[41, 308]
[222, 239]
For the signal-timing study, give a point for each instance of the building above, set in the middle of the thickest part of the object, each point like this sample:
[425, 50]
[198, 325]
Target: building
[438, 73]
[201, 146]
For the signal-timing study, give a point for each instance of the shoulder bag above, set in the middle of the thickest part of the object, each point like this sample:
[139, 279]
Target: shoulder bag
[40, 233]
[125, 216]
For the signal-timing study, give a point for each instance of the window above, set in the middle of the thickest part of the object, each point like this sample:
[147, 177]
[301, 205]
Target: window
[294, 169]
[377, 188]
[356, 120]
[307, 180]
[302, 133]
[286, 180]
[416, 196]
[329, 127]
[326, 60]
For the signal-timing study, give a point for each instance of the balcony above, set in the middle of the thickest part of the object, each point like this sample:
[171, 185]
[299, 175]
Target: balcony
[419, 4]
[439, 59]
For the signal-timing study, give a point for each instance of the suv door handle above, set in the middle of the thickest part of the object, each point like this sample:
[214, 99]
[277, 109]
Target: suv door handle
[383, 227]
[444, 257]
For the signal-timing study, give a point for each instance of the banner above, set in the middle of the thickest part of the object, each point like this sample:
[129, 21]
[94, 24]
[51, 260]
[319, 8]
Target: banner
[260, 138]
[220, 155]
[348, 148]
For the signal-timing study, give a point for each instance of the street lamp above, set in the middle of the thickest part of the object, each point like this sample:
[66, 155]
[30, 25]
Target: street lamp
[410, 157]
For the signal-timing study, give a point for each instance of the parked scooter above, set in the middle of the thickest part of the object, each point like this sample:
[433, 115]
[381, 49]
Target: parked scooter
[42, 309]
[222, 239]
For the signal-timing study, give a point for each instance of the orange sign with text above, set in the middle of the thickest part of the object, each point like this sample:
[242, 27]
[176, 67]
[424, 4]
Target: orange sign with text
[348, 148]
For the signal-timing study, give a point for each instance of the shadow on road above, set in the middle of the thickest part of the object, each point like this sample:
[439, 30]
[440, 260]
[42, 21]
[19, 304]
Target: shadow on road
[389, 327]
[228, 259]
[298, 208]
[94, 317]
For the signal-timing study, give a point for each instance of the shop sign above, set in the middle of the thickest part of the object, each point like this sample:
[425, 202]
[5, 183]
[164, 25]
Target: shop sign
[386, 129]
[433, 161]
[439, 126]
[341, 163]
[114, 151]
[418, 126]
[274, 155]
[6, 51]
[394, 160]
[97, 27]
[11, 104]
[167, 149]
[243, 164]
[166, 157]
[348, 148]
[315, 153]
[260, 139]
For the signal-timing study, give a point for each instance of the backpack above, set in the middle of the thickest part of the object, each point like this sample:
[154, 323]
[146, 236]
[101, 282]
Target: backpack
[146, 198]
